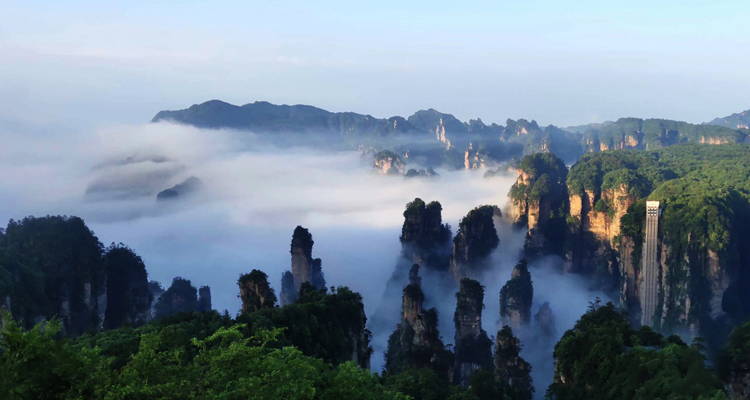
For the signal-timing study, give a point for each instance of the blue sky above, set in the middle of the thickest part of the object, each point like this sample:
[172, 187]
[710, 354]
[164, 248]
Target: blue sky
[87, 63]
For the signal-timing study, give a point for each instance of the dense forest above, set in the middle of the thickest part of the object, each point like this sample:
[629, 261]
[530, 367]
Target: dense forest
[151, 343]
[82, 320]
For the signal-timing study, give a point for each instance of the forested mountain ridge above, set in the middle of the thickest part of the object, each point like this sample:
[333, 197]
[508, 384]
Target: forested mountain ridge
[318, 346]
[599, 220]
[431, 138]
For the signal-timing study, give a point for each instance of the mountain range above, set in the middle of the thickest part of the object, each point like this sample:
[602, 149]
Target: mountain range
[437, 138]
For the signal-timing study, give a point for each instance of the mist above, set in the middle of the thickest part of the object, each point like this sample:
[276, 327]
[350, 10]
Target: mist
[255, 191]
[569, 297]
[254, 195]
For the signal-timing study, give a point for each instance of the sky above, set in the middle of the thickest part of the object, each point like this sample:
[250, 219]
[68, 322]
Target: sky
[84, 64]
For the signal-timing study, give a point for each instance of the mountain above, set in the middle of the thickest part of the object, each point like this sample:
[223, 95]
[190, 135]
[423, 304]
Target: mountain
[735, 121]
[702, 226]
[428, 137]
[431, 138]
[263, 116]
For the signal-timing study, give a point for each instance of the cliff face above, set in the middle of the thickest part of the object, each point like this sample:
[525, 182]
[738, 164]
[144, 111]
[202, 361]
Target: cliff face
[539, 201]
[255, 291]
[597, 227]
[693, 284]
[473, 349]
[510, 369]
[698, 283]
[516, 297]
[474, 242]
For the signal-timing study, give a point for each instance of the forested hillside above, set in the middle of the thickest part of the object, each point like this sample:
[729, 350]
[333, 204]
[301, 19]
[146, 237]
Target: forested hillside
[705, 211]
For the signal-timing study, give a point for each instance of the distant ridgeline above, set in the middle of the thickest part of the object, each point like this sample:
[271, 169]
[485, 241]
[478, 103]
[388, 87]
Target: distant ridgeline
[735, 121]
[431, 138]
[595, 221]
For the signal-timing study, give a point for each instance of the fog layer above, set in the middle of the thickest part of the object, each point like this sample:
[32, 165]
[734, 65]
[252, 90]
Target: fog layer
[254, 195]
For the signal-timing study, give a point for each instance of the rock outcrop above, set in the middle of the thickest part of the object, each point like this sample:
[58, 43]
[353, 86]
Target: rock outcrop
[181, 296]
[128, 296]
[304, 267]
[204, 299]
[416, 341]
[733, 362]
[699, 285]
[538, 201]
[318, 278]
[422, 173]
[473, 349]
[740, 120]
[389, 163]
[650, 134]
[516, 297]
[156, 290]
[473, 158]
[738, 381]
[413, 297]
[597, 227]
[474, 242]
[510, 369]
[53, 267]
[255, 291]
[425, 240]
[544, 322]
[288, 293]
[181, 190]
[302, 244]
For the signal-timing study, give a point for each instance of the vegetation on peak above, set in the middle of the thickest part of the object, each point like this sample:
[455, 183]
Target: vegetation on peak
[603, 357]
[545, 174]
[414, 292]
[302, 238]
[477, 232]
[470, 292]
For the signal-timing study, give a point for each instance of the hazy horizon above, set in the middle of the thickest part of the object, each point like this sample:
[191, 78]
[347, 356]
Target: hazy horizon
[87, 65]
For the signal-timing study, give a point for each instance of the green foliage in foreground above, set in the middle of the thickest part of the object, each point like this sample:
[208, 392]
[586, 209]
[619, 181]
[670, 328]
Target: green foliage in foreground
[199, 356]
[227, 365]
[603, 357]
